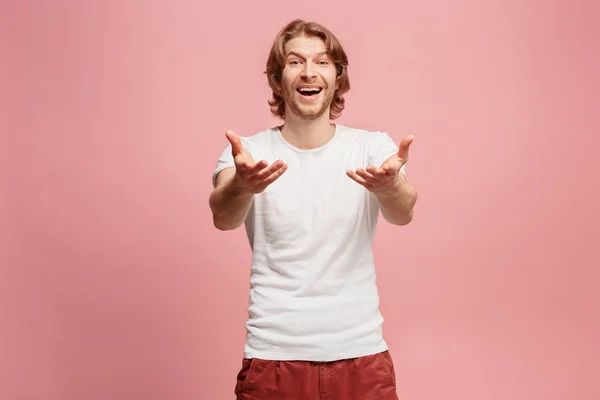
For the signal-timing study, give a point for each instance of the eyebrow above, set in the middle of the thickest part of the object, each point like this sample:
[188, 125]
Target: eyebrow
[293, 53]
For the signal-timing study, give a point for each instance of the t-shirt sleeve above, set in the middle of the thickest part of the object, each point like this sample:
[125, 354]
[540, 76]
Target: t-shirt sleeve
[382, 147]
[225, 160]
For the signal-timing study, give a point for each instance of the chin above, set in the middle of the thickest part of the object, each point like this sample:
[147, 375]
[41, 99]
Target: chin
[311, 112]
[310, 115]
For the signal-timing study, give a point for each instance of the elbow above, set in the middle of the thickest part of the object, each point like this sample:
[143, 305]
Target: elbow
[404, 219]
[399, 219]
[224, 225]
[220, 224]
[408, 219]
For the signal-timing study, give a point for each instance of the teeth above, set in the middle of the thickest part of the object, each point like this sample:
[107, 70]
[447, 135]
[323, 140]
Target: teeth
[309, 89]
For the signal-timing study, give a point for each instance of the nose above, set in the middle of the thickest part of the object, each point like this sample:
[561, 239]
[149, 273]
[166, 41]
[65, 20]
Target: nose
[307, 71]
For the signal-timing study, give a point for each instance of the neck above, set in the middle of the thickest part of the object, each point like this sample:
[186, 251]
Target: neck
[307, 134]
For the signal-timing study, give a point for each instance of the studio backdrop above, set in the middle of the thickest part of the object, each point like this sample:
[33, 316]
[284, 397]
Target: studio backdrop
[114, 283]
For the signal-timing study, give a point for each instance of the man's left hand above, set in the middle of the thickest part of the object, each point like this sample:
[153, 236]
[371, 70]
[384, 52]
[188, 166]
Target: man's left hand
[384, 179]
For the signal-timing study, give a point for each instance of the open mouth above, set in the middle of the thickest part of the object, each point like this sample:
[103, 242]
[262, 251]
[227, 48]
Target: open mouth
[309, 92]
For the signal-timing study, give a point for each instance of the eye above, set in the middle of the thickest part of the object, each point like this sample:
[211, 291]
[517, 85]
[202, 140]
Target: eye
[295, 62]
[323, 62]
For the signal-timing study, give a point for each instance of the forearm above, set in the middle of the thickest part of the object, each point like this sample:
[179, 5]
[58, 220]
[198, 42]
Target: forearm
[230, 205]
[397, 204]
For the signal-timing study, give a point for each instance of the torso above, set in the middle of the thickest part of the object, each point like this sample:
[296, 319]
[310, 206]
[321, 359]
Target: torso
[313, 294]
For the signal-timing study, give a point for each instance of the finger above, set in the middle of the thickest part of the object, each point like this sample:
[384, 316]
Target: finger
[404, 145]
[266, 172]
[358, 179]
[378, 173]
[246, 166]
[257, 167]
[366, 176]
[391, 169]
[243, 167]
[273, 177]
[236, 143]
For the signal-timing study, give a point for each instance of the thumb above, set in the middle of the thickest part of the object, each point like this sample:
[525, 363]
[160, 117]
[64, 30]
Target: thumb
[404, 146]
[236, 144]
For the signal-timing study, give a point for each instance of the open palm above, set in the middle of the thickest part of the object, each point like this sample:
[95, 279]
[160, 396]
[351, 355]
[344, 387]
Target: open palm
[251, 176]
[383, 179]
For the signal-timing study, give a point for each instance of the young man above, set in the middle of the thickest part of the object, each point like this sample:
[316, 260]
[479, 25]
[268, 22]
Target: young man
[309, 193]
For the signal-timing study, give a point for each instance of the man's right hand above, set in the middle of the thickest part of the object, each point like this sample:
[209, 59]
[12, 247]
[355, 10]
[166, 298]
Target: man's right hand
[252, 177]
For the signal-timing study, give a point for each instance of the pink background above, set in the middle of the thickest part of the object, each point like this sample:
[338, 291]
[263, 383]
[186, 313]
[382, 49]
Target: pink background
[114, 283]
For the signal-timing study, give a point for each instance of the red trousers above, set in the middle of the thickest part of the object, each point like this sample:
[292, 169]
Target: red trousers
[364, 378]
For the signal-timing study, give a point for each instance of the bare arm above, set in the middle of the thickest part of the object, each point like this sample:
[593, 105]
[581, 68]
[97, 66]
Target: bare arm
[228, 202]
[235, 187]
[397, 205]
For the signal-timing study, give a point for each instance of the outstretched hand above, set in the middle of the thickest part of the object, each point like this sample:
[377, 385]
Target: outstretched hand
[383, 179]
[250, 176]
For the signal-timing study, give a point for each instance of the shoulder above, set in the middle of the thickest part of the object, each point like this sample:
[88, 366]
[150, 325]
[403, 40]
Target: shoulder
[260, 138]
[254, 142]
[364, 136]
[251, 143]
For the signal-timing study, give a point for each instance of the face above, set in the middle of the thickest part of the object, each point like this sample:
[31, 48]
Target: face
[309, 78]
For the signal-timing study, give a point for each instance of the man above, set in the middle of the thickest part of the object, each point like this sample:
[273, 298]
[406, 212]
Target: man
[309, 193]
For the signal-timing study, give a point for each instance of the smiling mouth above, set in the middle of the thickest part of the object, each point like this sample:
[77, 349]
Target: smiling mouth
[309, 92]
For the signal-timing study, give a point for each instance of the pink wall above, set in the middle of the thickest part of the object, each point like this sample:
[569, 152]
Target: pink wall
[114, 284]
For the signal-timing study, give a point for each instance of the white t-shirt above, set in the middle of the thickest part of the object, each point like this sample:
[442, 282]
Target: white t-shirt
[313, 294]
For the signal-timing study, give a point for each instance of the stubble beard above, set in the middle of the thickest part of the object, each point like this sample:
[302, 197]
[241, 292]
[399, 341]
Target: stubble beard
[306, 111]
